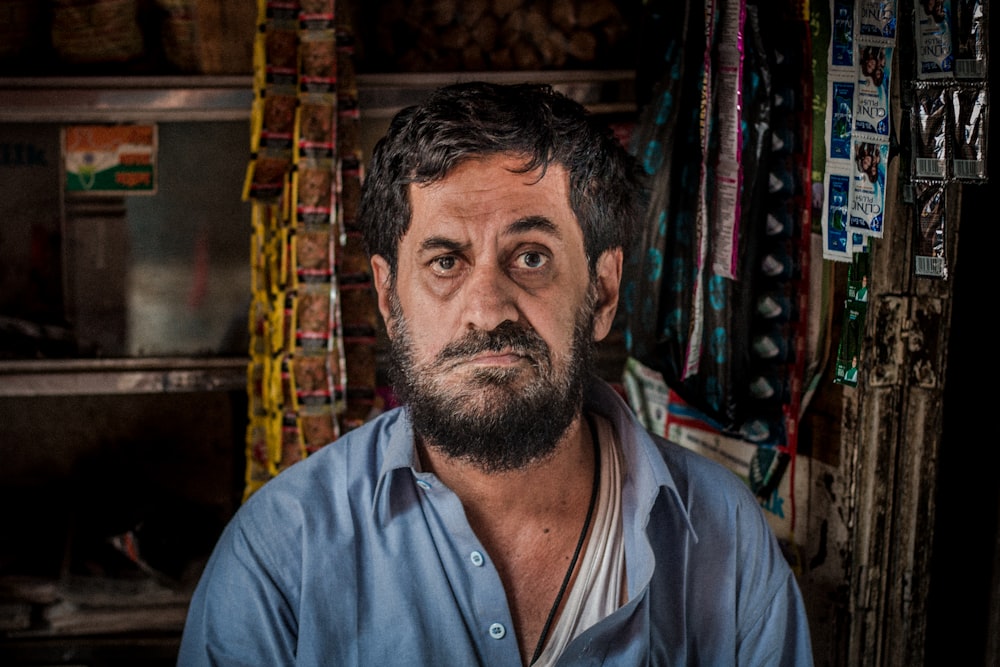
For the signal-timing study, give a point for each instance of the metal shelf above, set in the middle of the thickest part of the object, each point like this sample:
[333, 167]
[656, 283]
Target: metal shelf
[70, 377]
[224, 98]
[121, 99]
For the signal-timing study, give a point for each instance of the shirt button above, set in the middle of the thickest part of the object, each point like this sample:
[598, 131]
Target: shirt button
[497, 631]
[423, 485]
[477, 559]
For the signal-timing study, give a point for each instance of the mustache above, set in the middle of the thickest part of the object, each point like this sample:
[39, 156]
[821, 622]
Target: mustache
[505, 336]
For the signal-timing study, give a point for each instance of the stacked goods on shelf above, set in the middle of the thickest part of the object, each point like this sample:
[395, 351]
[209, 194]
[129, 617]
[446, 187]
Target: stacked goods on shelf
[312, 319]
[443, 35]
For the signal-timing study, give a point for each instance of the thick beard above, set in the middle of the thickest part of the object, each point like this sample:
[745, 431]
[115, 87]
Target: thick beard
[494, 420]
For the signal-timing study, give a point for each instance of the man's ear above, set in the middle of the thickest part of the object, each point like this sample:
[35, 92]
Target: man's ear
[382, 278]
[608, 285]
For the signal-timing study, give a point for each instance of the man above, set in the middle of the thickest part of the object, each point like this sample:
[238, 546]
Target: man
[514, 512]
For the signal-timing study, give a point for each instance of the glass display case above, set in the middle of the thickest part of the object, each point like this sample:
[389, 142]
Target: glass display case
[133, 291]
[149, 291]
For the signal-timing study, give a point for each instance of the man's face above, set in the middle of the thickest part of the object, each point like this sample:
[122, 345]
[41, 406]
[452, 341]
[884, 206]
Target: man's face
[492, 314]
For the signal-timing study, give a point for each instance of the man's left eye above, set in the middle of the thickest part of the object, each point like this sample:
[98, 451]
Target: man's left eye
[533, 260]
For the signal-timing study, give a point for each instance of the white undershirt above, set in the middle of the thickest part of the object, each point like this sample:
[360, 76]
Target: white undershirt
[598, 589]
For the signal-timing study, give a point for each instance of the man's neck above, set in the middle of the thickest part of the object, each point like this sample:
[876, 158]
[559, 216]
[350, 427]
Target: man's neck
[529, 521]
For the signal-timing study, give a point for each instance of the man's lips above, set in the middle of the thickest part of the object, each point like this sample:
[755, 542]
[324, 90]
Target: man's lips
[496, 358]
[488, 359]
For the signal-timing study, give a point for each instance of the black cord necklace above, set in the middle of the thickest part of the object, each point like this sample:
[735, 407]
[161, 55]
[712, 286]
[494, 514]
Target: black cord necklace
[579, 544]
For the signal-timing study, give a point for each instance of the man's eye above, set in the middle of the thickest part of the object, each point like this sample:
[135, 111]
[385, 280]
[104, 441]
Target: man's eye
[444, 264]
[533, 260]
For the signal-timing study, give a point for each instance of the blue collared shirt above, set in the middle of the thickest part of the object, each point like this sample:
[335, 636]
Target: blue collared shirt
[351, 557]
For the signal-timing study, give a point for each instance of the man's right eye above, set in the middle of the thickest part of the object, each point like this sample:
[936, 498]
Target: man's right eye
[444, 264]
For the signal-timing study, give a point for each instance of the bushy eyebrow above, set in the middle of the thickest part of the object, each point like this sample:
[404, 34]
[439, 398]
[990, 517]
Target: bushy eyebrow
[533, 222]
[436, 243]
[520, 226]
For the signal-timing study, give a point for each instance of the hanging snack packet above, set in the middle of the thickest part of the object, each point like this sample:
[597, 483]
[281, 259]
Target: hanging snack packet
[929, 129]
[877, 19]
[280, 53]
[313, 316]
[837, 188]
[316, 126]
[265, 179]
[842, 34]
[868, 187]
[313, 252]
[930, 257]
[277, 122]
[969, 116]
[318, 62]
[935, 59]
[872, 108]
[970, 38]
[313, 382]
[841, 119]
[313, 190]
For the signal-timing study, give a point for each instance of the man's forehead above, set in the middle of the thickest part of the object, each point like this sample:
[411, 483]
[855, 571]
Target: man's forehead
[512, 163]
[493, 185]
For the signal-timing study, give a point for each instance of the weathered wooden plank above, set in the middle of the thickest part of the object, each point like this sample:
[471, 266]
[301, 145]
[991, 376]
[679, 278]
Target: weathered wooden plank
[897, 415]
[875, 483]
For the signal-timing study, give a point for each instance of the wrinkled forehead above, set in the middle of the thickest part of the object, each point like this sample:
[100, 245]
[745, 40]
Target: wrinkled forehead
[495, 193]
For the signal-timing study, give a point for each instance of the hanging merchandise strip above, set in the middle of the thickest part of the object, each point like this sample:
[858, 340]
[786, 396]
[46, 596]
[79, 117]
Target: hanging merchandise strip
[858, 137]
[261, 447]
[299, 395]
[841, 84]
[359, 316]
[857, 128]
[730, 351]
[728, 177]
[872, 114]
[948, 119]
[947, 123]
[696, 323]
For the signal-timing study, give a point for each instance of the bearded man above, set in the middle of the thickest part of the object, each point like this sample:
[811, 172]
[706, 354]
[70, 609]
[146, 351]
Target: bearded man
[513, 511]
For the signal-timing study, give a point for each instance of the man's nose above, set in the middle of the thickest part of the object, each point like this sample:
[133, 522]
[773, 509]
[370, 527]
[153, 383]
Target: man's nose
[490, 298]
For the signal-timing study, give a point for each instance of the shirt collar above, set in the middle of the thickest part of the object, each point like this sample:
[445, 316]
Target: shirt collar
[646, 473]
[399, 460]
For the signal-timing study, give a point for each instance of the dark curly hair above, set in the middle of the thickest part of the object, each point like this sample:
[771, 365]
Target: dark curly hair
[425, 142]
